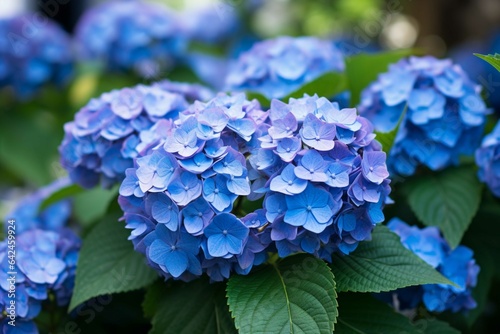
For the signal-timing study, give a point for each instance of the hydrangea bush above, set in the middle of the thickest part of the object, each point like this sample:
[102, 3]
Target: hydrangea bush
[246, 215]
[33, 53]
[441, 110]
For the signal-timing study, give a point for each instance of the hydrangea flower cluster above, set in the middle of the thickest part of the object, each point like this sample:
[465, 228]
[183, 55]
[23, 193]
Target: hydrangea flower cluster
[46, 254]
[278, 67]
[223, 23]
[488, 160]
[179, 196]
[131, 35]
[323, 175]
[33, 53]
[111, 130]
[45, 263]
[458, 265]
[52, 218]
[444, 117]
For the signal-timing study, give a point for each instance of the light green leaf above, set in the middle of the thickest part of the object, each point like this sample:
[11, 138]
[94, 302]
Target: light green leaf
[108, 263]
[382, 264]
[362, 314]
[327, 85]
[386, 139]
[493, 60]
[448, 200]
[91, 205]
[197, 307]
[264, 101]
[362, 69]
[63, 193]
[294, 295]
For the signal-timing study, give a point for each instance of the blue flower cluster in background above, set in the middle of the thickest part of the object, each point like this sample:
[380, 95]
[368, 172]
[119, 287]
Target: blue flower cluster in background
[179, 197]
[323, 175]
[458, 265]
[46, 254]
[444, 118]
[34, 51]
[278, 67]
[488, 160]
[131, 35]
[111, 130]
[52, 218]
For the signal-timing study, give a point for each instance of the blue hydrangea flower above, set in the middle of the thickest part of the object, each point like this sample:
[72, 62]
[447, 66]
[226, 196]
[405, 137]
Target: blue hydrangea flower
[178, 195]
[33, 52]
[52, 218]
[211, 24]
[131, 35]
[278, 67]
[322, 175]
[488, 160]
[444, 118]
[106, 134]
[45, 263]
[458, 265]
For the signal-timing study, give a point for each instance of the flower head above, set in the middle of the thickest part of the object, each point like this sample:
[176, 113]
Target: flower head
[444, 116]
[458, 265]
[277, 67]
[110, 131]
[131, 35]
[178, 198]
[488, 160]
[32, 54]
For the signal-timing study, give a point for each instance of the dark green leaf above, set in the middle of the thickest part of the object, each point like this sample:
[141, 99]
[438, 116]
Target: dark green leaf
[382, 264]
[362, 69]
[493, 60]
[295, 295]
[448, 200]
[197, 307]
[108, 263]
[360, 313]
[434, 326]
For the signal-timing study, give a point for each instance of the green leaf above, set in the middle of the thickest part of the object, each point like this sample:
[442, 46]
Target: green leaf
[362, 69]
[108, 263]
[65, 192]
[264, 101]
[188, 308]
[295, 295]
[361, 313]
[382, 264]
[448, 200]
[327, 85]
[493, 60]
[434, 326]
[387, 138]
[91, 205]
[28, 146]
